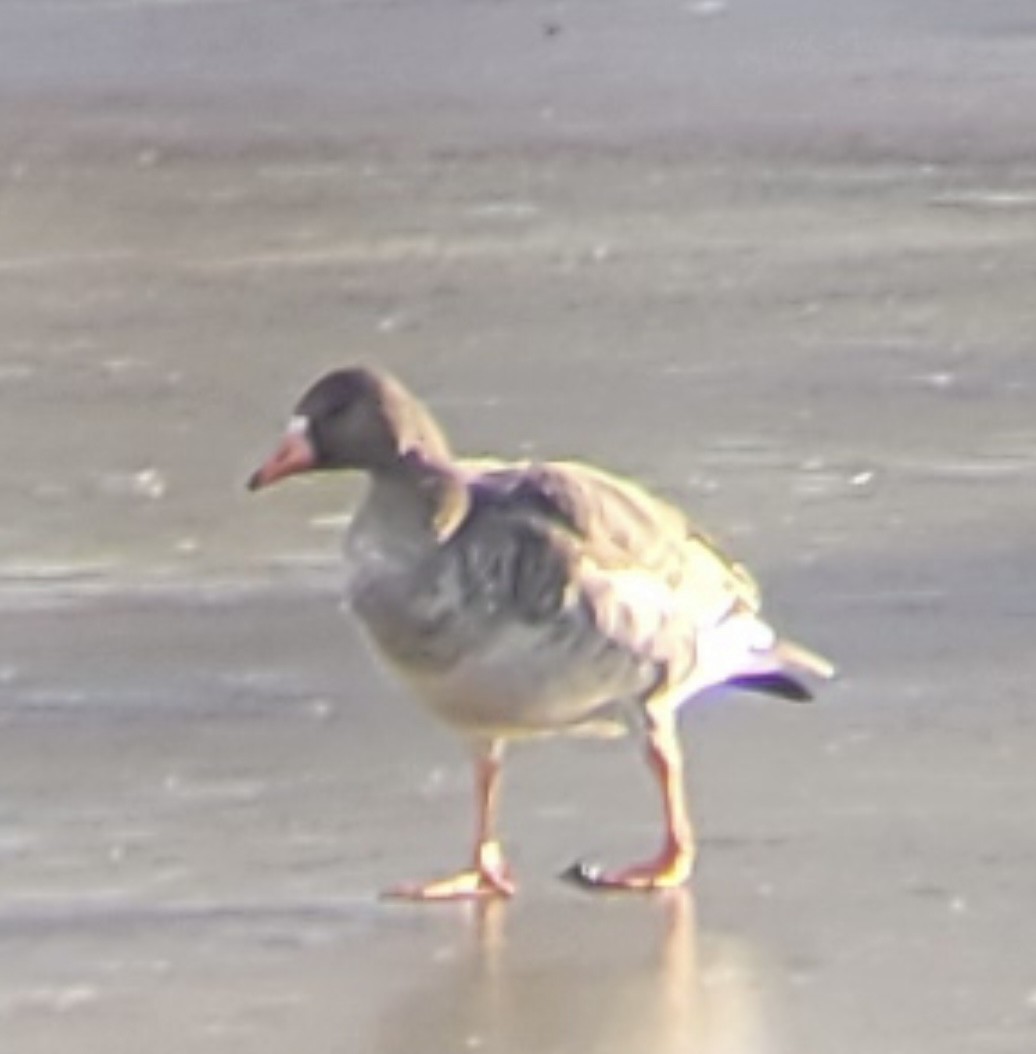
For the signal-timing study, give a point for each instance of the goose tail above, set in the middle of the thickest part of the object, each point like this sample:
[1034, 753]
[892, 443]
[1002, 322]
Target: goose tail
[784, 680]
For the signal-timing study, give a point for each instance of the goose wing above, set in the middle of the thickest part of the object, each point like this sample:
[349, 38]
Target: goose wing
[652, 579]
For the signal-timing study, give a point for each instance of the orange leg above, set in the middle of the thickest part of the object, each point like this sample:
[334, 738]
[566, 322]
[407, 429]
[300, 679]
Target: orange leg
[673, 864]
[488, 875]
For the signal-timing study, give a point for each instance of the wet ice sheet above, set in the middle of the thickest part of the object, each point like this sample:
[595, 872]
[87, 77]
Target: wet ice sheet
[544, 975]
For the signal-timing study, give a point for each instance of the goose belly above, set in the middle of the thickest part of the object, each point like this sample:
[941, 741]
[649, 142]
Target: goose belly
[524, 679]
[479, 659]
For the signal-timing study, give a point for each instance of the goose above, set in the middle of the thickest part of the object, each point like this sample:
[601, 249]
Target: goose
[519, 599]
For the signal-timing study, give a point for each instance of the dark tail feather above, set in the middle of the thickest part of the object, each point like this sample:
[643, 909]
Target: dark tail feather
[783, 685]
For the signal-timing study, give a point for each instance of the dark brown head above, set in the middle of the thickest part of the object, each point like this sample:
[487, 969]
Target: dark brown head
[355, 418]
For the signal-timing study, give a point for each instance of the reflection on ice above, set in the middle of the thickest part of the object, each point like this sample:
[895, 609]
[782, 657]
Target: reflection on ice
[602, 976]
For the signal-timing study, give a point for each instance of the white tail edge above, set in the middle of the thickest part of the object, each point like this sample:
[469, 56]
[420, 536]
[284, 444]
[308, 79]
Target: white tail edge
[795, 655]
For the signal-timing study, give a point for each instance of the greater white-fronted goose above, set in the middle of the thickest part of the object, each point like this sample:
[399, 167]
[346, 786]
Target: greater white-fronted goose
[521, 599]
